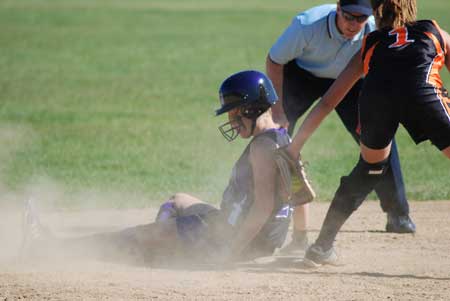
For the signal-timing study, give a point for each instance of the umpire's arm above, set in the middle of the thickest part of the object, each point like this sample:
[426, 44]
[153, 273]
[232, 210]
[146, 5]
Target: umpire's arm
[275, 73]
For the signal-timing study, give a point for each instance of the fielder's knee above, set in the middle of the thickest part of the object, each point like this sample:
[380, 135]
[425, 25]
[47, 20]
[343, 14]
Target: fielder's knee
[373, 170]
[355, 187]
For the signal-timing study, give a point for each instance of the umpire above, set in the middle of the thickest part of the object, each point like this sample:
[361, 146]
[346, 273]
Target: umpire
[305, 61]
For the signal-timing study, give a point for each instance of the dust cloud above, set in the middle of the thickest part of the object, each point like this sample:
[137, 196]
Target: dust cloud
[48, 194]
[61, 223]
[60, 226]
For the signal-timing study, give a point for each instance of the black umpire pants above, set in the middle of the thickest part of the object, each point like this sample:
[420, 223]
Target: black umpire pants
[301, 89]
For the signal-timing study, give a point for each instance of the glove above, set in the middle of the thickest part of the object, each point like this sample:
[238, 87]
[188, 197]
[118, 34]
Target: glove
[293, 177]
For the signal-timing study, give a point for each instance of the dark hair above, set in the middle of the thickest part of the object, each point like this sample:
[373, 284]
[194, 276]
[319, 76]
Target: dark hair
[376, 3]
[394, 13]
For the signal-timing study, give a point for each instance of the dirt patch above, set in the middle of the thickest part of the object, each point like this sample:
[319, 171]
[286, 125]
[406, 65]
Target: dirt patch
[377, 265]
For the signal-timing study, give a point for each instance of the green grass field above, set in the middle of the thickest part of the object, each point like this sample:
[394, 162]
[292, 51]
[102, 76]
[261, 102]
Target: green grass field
[116, 99]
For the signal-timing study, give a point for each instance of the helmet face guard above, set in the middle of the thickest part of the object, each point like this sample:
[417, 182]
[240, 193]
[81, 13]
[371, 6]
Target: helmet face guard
[229, 131]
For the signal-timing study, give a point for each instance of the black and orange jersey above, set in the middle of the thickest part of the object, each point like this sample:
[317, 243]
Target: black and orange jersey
[412, 55]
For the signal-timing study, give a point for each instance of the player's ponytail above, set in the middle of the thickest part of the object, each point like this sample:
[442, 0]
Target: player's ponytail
[394, 13]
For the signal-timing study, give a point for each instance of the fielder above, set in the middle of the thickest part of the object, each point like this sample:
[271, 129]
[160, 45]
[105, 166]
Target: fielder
[401, 61]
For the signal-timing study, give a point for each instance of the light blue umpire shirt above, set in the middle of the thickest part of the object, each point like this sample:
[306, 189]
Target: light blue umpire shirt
[315, 43]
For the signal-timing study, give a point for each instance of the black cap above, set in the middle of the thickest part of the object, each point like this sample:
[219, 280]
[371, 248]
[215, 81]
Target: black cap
[357, 6]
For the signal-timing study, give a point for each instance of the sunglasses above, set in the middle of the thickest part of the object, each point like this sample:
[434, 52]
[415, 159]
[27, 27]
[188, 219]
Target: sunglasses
[350, 18]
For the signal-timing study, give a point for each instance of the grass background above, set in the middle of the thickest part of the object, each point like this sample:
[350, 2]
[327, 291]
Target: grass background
[110, 103]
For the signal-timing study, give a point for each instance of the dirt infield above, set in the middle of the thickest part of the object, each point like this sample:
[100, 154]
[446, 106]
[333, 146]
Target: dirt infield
[376, 265]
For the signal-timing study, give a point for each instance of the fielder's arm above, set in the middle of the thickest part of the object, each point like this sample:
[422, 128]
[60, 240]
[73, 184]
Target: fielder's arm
[345, 81]
[264, 176]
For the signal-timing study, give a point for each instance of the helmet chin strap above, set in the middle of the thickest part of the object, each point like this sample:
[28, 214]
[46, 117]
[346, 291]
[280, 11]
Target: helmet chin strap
[253, 113]
[241, 124]
[253, 126]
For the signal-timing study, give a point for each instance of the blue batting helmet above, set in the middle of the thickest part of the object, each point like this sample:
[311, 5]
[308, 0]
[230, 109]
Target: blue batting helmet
[247, 89]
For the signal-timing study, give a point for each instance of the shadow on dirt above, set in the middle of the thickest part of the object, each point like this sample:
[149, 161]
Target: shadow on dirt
[291, 265]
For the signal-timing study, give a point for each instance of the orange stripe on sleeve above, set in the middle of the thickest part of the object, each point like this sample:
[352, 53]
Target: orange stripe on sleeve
[368, 57]
[363, 47]
[439, 60]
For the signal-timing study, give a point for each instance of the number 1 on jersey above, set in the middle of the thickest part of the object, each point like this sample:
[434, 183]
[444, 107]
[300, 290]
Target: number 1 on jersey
[402, 37]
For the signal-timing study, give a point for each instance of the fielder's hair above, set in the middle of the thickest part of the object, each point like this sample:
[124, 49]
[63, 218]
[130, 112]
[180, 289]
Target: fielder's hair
[394, 13]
